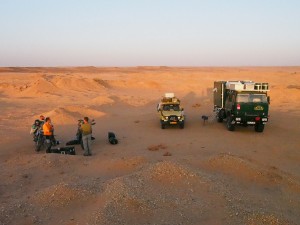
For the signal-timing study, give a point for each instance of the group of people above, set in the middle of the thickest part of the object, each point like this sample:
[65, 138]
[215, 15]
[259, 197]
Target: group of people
[46, 128]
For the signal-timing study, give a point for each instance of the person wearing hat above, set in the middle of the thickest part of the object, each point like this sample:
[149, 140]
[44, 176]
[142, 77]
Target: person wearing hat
[86, 130]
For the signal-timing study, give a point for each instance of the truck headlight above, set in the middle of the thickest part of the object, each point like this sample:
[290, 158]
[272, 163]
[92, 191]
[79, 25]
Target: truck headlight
[237, 119]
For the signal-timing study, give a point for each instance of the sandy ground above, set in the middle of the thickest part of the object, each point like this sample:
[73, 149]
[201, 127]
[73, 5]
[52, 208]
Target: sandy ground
[202, 174]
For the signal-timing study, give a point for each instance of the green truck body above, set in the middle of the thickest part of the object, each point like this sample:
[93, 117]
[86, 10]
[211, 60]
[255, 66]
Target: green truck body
[242, 103]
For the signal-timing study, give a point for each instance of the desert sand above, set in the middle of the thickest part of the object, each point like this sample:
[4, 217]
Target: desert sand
[202, 174]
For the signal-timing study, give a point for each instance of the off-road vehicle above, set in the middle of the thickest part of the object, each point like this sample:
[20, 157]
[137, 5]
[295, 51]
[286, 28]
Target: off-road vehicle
[242, 103]
[170, 111]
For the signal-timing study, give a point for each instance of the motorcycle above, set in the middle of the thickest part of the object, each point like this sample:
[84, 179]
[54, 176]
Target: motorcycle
[41, 142]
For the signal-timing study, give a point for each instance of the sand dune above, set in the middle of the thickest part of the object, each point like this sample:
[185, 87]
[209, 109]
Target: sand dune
[202, 174]
[70, 114]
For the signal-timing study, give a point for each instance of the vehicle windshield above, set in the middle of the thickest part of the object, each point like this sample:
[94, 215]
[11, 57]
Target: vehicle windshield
[252, 98]
[170, 107]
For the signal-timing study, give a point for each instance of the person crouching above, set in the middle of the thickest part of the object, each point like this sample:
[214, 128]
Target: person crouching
[86, 129]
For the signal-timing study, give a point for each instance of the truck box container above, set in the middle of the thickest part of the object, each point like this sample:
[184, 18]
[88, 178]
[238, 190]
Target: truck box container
[219, 91]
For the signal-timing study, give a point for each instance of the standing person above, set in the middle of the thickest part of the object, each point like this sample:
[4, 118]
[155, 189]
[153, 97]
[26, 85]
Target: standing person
[42, 120]
[86, 130]
[48, 133]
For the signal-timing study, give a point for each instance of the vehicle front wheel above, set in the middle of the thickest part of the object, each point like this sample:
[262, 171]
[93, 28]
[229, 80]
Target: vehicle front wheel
[229, 124]
[259, 127]
[181, 125]
[163, 126]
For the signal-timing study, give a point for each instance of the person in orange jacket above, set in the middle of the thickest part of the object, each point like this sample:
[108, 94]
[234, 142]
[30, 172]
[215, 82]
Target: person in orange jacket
[48, 133]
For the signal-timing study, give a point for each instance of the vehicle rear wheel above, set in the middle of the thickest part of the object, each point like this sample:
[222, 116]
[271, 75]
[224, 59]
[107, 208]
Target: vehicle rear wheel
[259, 127]
[220, 116]
[181, 125]
[220, 120]
[229, 124]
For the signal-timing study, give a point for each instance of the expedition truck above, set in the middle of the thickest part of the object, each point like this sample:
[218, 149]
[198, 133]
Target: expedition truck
[242, 103]
[170, 111]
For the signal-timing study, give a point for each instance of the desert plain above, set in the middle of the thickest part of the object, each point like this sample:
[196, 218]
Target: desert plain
[202, 174]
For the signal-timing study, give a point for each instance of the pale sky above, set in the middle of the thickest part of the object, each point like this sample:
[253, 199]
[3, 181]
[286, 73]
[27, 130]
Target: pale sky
[149, 33]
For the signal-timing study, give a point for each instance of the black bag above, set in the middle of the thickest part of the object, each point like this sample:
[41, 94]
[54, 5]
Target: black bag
[63, 150]
[112, 138]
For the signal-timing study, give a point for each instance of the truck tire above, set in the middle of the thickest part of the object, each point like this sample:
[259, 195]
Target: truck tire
[162, 125]
[229, 125]
[181, 125]
[259, 127]
[220, 116]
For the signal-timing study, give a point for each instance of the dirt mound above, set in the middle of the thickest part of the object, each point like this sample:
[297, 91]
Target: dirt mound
[242, 168]
[171, 173]
[40, 87]
[59, 195]
[140, 197]
[102, 100]
[260, 219]
[58, 85]
[76, 84]
[252, 172]
[133, 83]
[126, 163]
[133, 100]
[70, 114]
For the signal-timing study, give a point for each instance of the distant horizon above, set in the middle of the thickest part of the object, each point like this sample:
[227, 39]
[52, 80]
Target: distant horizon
[144, 66]
[173, 33]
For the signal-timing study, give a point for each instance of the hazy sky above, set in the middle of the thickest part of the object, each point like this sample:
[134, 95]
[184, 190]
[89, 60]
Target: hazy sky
[149, 32]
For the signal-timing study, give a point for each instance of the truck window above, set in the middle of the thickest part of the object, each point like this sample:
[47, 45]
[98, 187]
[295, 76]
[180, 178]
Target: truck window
[258, 98]
[252, 98]
[242, 98]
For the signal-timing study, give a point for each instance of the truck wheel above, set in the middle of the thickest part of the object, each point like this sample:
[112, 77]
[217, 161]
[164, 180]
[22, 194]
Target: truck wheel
[259, 127]
[181, 125]
[230, 126]
[162, 124]
[220, 120]
[220, 116]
